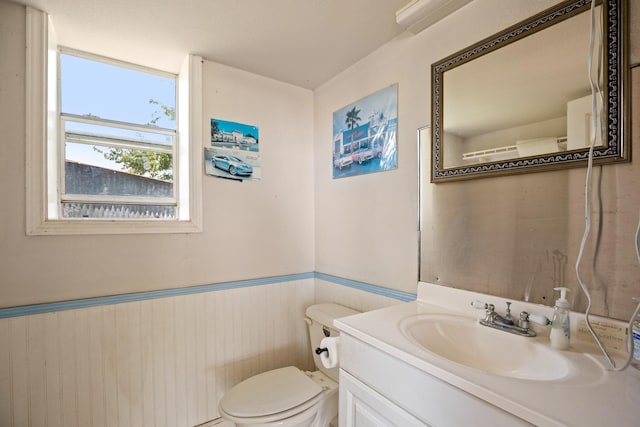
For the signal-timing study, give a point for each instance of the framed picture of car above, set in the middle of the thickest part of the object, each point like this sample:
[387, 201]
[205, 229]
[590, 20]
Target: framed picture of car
[234, 152]
[365, 134]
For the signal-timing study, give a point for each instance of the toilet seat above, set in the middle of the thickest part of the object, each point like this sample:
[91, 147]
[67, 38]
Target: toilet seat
[271, 395]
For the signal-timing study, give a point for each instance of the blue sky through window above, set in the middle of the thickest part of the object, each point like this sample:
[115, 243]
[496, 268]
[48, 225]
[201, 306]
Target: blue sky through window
[111, 92]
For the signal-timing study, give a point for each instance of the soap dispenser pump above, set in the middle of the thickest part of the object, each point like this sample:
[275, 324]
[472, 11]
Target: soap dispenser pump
[560, 326]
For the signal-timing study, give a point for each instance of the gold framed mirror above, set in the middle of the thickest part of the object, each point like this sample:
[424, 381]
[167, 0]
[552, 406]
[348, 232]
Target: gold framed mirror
[521, 100]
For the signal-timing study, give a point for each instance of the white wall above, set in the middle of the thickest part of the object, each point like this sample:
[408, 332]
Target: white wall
[366, 226]
[260, 228]
[251, 229]
[492, 235]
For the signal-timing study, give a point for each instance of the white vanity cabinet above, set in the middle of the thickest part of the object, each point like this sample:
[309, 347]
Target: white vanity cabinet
[361, 406]
[377, 389]
[389, 375]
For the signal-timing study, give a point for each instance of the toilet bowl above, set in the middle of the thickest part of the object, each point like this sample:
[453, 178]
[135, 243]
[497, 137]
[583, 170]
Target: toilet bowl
[286, 397]
[290, 397]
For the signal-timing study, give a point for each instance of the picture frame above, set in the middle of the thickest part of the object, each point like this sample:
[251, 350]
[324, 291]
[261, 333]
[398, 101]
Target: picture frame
[365, 135]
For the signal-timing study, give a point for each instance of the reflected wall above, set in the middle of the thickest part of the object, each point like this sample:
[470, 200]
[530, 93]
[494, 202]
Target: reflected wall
[518, 236]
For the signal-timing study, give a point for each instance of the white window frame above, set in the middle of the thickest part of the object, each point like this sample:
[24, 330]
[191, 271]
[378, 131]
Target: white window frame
[43, 158]
[57, 177]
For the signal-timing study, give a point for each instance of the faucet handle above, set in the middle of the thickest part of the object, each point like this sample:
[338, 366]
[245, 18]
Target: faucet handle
[489, 313]
[525, 318]
[539, 319]
[480, 305]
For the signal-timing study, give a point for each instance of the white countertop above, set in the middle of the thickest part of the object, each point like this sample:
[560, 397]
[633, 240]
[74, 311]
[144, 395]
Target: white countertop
[591, 395]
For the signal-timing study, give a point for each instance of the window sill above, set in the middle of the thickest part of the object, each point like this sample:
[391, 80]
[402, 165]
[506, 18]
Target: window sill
[92, 226]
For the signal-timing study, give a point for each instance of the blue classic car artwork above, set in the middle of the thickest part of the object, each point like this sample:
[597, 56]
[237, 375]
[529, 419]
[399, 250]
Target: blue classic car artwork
[231, 164]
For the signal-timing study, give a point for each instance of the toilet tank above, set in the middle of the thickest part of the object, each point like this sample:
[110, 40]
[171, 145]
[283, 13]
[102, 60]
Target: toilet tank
[320, 320]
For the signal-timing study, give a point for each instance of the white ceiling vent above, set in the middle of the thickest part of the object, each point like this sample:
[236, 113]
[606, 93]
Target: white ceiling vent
[420, 14]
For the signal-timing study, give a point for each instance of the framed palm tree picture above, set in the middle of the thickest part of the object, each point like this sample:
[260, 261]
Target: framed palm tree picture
[364, 134]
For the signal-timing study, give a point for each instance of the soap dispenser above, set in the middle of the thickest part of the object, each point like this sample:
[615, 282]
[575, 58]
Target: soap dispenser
[560, 326]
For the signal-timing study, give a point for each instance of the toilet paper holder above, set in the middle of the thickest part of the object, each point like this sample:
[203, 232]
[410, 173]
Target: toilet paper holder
[327, 333]
[330, 345]
[321, 350]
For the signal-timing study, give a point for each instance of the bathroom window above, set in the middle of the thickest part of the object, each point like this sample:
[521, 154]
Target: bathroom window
[118, 135]
[112, 146]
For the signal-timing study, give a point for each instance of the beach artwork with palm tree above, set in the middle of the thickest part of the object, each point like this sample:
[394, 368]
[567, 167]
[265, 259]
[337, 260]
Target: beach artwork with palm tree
[364, 134]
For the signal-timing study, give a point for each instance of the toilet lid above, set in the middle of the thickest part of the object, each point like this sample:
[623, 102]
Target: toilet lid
[269, 393]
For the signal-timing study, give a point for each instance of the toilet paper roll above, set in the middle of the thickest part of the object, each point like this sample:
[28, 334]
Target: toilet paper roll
[329, 358]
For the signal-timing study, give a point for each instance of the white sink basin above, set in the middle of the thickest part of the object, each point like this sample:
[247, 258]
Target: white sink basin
[464, 341]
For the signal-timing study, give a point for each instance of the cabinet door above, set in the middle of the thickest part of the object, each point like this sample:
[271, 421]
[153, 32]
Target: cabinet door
[361, 406]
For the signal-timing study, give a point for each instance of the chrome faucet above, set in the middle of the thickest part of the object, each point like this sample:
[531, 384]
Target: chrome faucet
[505, 323]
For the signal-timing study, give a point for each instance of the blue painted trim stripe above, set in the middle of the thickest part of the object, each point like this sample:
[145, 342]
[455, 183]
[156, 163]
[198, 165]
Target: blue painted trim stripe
[378, 290]
[51, 307]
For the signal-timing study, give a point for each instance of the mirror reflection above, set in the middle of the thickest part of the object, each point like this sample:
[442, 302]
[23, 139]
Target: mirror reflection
[519, 236]
[521, 99]
[535, 94]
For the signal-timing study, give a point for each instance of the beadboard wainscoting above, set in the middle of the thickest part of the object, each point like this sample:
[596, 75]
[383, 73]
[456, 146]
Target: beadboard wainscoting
[162, 361]
[159, 362]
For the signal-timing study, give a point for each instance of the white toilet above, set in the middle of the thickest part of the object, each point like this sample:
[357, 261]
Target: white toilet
[289, 397]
